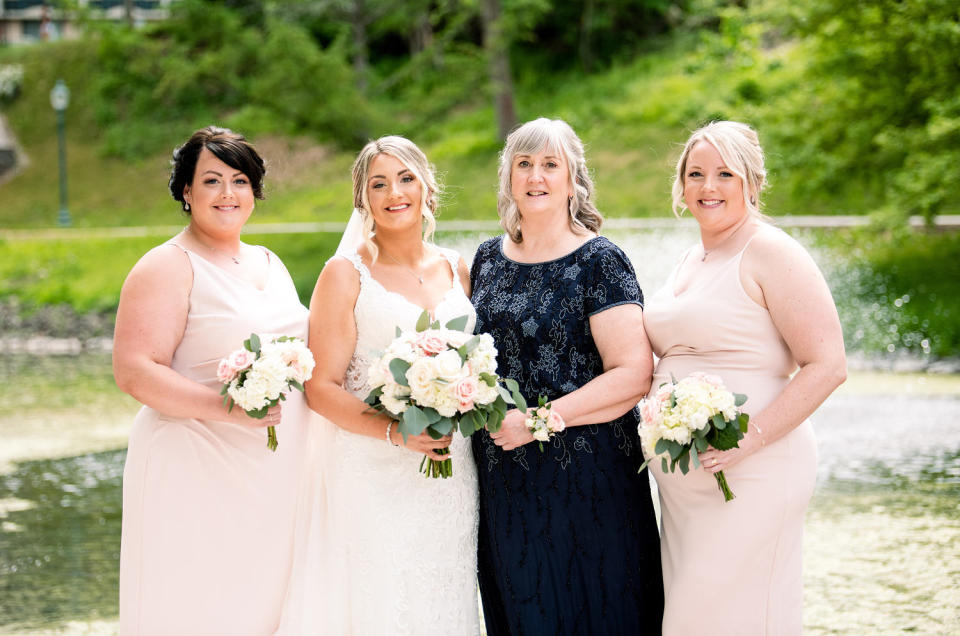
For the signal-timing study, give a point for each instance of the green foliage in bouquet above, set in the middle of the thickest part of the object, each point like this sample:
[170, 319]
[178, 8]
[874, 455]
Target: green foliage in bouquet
[722, 435]
[415, 420]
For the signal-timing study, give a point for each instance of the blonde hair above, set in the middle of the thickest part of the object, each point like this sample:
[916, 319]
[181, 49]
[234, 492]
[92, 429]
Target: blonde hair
[556, 136]
[739, 147]
[412, 158]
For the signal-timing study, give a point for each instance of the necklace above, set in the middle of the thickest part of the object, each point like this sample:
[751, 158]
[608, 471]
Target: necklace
[707, 252]
[409, 269]
[210, 247]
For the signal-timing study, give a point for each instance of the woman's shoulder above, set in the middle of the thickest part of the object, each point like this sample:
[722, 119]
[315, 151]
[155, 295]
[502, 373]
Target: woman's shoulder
[164, 268]
[166, 259]
[770, 242]
[490, 246]
[602, 250]
[773, 252]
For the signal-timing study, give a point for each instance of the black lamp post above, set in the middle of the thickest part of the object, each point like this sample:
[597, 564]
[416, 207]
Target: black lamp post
[60, 99]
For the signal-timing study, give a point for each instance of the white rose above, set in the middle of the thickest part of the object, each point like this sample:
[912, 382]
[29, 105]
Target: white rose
[448, 366]
[541, 434]
[420, 377]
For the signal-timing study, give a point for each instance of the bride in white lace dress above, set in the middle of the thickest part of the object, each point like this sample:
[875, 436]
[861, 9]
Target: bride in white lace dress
[387, 551]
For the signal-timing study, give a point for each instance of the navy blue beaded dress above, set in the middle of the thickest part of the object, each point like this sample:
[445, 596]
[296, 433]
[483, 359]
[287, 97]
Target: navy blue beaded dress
[568, 538]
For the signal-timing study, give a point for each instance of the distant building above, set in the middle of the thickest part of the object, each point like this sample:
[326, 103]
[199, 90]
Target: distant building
[24, 21]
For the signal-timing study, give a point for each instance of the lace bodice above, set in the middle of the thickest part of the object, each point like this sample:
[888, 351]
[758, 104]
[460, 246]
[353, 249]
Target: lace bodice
[409, 542]
[379, 311]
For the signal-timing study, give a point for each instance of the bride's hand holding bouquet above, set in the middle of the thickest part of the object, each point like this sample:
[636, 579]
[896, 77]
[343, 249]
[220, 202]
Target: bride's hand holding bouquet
[440, 379]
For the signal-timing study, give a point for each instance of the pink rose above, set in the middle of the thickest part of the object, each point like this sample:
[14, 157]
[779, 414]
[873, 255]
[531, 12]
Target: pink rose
[555, 423]
[543, 412]
[241, 359]
[431, 343]
[649, 410]
[226, 372]
[465, 390]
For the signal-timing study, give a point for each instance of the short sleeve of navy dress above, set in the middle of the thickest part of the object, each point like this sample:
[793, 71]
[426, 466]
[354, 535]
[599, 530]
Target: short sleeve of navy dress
[568, 539]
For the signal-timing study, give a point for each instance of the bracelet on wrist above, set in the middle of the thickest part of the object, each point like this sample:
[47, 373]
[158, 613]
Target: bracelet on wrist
[390, 426]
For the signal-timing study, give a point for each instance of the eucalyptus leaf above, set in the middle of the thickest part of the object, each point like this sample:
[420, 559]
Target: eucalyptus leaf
[662, 446]
[296, 385]
[423, 322]
[431, 415]
[457, 324]
[488, 378]
[398, 367]
[444, 426]
[663, 464]
[254, 343]
[739, 399]
[412, 422]
[676, 449]
[719, 422]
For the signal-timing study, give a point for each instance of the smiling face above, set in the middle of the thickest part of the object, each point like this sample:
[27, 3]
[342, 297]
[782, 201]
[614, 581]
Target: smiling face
[221, 197]
[540, 182]
[711, 190]
[394, 193]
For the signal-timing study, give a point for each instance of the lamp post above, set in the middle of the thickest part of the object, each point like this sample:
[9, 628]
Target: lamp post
[60, 99]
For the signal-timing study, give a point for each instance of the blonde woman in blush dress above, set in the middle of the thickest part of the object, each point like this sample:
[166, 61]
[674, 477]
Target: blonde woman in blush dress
[208, 509]
[748, 304]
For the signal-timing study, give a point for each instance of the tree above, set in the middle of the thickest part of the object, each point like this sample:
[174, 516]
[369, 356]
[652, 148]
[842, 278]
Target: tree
[877, 107]
[497, 48]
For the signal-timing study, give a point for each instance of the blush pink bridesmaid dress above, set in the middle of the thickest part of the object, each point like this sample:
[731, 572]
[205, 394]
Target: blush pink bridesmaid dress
[731, 568]
[208, 510]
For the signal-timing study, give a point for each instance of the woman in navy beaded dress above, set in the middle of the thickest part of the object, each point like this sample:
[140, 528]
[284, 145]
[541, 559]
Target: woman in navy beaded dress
[568, 537]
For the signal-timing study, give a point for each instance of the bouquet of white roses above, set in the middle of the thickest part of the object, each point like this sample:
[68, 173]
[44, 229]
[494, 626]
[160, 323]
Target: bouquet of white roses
[682, 419]
[255, 377]
[440, 379]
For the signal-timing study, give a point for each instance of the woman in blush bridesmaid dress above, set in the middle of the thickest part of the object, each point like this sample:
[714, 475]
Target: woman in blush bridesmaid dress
[208, 509]
[749, 305]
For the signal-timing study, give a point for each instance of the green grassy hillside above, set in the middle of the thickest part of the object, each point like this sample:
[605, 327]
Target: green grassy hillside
[633, 118]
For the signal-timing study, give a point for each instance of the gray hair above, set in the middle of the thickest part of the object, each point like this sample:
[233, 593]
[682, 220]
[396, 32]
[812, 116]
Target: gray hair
[557, 136]
[412, 158]
[739, 147]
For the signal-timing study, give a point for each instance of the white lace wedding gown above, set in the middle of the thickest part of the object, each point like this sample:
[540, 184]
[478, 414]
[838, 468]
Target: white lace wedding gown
[386, 551]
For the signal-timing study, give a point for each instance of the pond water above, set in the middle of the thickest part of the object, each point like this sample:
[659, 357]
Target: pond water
[882, 535]
[883, 532]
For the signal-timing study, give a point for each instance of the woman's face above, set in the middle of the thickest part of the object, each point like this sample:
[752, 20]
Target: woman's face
[540, 183]
[712, 191]
[221, 197]
[394, 193]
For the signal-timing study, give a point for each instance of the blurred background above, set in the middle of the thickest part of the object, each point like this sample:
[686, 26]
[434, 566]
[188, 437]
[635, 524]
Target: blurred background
[857, 105]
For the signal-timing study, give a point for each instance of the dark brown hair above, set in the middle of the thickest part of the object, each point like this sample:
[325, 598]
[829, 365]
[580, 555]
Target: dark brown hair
[229, 147]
